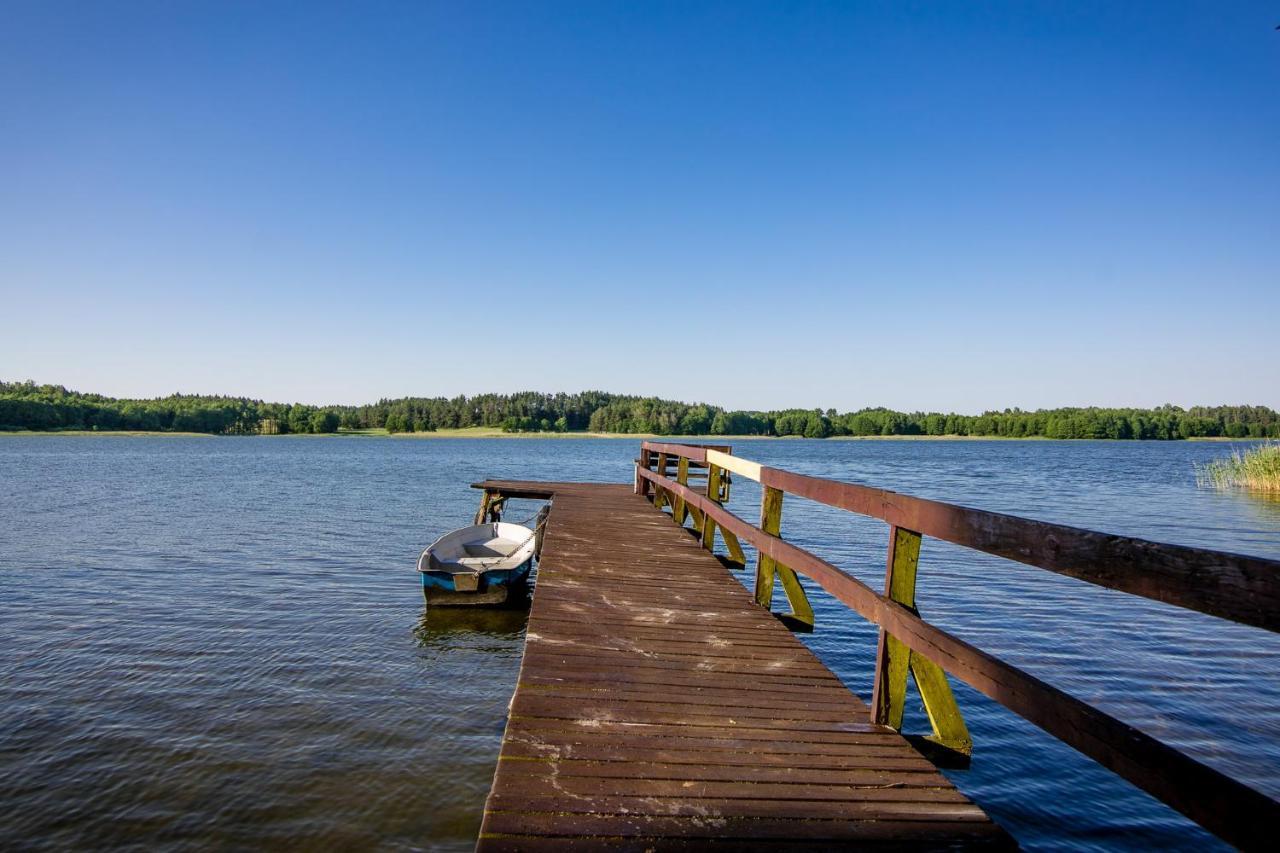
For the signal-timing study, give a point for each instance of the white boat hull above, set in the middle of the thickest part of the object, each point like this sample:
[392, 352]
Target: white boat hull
[485, 564]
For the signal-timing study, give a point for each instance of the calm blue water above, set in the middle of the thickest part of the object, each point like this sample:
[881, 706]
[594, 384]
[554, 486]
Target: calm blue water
[222, 641]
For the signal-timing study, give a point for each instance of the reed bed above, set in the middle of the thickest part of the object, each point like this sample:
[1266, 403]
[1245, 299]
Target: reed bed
[1257, 469]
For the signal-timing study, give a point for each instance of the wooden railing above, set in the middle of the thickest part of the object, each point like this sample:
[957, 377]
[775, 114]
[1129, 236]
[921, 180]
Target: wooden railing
[1230, 586]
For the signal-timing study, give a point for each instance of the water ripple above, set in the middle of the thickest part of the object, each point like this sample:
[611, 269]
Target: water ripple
[221, 643]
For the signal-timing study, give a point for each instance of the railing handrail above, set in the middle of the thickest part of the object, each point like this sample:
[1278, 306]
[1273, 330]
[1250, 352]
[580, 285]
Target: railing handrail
[1232, 810]
[1237, 587]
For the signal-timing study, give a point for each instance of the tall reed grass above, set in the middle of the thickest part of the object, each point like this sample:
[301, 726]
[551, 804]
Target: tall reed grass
[1257, 469]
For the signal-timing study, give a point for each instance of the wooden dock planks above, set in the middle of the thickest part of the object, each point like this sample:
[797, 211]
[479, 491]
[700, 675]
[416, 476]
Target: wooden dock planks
[658, 707]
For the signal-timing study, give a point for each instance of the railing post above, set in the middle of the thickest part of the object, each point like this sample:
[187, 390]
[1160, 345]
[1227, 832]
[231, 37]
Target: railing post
[645, 461]
[771, 523]
[678, 508]
[722, 488]
[894, 660]
[659, 493]
[717, 489]
[713, 491]
[767, 568]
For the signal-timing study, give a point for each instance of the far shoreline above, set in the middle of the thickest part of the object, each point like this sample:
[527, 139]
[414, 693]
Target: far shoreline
[493, 432]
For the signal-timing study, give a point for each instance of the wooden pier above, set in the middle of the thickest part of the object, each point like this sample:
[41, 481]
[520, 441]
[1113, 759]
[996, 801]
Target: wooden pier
[661, 705]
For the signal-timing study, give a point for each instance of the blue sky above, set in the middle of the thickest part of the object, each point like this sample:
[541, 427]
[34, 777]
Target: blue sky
[921, 205]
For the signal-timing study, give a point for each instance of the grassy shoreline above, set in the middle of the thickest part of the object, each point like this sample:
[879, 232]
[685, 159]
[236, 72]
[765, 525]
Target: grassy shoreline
[1256, 469]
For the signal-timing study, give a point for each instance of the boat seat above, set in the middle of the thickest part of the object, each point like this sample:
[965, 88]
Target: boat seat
[492, 548]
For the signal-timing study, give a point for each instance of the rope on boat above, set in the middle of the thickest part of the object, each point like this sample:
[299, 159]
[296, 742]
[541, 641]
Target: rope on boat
[532, 533]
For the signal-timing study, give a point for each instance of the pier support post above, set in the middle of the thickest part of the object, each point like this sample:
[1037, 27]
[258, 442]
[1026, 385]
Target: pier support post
[490, 507]
[894, 660]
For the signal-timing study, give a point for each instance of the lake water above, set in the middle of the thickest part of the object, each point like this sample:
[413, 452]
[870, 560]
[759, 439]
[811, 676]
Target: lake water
[222, 642]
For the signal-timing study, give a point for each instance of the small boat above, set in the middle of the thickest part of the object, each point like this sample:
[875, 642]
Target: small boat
[481, 564]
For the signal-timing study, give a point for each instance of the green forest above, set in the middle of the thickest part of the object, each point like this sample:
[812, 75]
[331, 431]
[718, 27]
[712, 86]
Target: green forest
[27, 406]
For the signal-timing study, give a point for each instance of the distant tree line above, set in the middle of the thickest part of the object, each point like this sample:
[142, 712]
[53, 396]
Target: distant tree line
[25, 405]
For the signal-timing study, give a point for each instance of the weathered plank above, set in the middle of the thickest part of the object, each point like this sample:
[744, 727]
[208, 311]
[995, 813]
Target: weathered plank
[659, 707]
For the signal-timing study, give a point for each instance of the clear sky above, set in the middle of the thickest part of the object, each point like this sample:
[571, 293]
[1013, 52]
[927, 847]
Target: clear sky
[943, 205]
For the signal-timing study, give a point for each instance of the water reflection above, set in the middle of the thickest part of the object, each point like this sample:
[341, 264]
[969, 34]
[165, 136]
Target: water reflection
[438, 626]
[310, 702]
[1267, 499]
